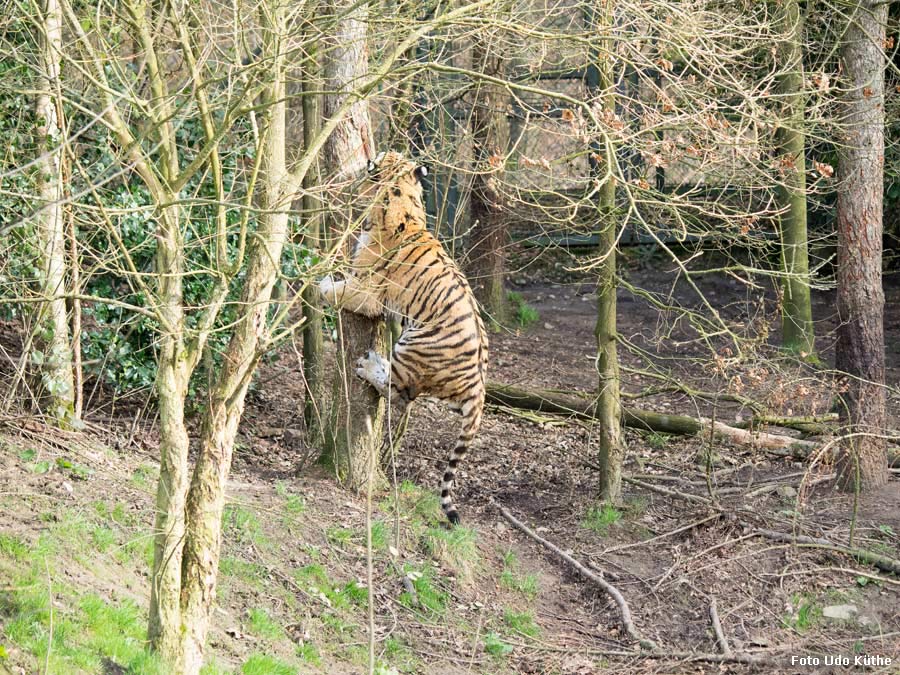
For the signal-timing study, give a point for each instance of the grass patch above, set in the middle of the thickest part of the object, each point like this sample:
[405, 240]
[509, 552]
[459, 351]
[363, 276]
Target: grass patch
[522, 313]
[495, 646]
[454, 547]
[244, 525]
[13, 547]
[308, 652]
[262, 625]
[315, 579]
[261, 664]
[806, 613]
[600, 518]
[521, 622]
[430, 597]
[512, 579]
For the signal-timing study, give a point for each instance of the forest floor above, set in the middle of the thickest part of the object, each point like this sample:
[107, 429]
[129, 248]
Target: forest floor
[483, 598]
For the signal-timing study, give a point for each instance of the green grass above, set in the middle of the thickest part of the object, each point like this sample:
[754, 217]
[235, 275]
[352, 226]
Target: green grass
[261, 664]
[495, 646]
[600, 518]
[455, 547]
[13, 547]
[805, 615]
[308, 652]
[145, 476]
[656, 441]
[294, 504]
[522, 313]
[512, 579]
[313, 578]
[430, 597]
[260, 624]
[521, 622]
[243, 525]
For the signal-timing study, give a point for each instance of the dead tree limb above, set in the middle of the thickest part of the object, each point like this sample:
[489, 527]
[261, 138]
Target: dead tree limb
[613, 592]
[882, 562]
[717, 628]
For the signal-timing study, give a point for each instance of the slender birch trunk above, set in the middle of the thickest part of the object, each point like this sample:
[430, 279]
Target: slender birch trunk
[609, 405]
[51, 325]
[357, 415]
[860, 336]
[798, 333]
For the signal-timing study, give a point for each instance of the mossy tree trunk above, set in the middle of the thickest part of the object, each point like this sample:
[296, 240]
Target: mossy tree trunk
[357, 415]
[798, 332]
[51, 346]
[860, 334]
[609, 406]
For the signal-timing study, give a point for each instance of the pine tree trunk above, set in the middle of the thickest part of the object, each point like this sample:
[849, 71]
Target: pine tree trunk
[51, 325]
[489, 235]
[798, 334]
[357, 414]
[860, 335]
[609, 404]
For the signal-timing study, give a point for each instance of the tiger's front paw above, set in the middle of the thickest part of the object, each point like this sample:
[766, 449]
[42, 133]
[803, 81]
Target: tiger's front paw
[326, 289]
[373, 369]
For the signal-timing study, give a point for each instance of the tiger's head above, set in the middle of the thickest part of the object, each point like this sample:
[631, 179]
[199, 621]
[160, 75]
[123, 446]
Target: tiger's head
[398, 209]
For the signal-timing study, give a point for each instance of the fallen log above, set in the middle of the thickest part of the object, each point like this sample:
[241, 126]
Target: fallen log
[574, 406]
[582, 407]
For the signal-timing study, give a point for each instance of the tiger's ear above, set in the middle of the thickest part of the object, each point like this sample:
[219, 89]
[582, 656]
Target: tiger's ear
[420, 172]
[372, 166]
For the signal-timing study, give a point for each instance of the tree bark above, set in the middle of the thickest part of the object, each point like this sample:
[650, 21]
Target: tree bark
[798, 333]
[51, 325]
[313, 366]
[206, 498]
[173, 374]
[489, 235]
[609, 406]
[860, 335]
[357, 415]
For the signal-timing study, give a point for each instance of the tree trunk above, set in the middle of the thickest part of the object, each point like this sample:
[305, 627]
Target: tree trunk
[609, 405]
[51, 325]
[206, 499]
[171, 492]
[860, 336]
[313, 407]
[490, 235]
[357, 414]
[798, 334]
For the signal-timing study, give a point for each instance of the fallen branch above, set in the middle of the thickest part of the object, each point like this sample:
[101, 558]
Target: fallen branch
[717, 628]
[573, 406]
[882, 562]
[611, 590]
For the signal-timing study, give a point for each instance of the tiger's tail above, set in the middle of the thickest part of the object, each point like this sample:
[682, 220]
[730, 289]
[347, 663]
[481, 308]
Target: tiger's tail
[471, 410]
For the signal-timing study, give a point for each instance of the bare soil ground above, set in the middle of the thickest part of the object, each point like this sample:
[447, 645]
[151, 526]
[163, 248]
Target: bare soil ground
[488, 599]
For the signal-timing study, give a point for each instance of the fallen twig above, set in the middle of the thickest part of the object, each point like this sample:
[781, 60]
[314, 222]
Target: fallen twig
[882, 562]
[717, 628]
[667, 491]
[624, 611]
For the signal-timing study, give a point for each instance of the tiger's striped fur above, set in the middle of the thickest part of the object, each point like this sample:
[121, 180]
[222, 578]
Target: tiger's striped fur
[399, 268]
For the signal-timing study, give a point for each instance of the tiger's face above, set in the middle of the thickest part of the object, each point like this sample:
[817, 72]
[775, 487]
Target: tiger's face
[398, 209]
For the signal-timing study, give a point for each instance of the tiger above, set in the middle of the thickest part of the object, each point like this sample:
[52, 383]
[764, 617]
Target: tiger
[399, 269]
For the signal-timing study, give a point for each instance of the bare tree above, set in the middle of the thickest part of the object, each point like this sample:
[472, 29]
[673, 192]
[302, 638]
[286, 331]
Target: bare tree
[51, 346]
[489, 236]
[798, 332]
[609, 405]
[357, 410]
[860, 343]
